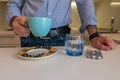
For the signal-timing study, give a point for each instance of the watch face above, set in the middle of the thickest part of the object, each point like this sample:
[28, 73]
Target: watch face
[96, 34]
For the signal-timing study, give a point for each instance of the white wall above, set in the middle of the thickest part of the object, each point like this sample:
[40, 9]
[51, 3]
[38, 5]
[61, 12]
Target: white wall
[104, 12]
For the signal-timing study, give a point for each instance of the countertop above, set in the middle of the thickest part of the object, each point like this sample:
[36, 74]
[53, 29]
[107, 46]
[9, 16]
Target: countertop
[60, 66]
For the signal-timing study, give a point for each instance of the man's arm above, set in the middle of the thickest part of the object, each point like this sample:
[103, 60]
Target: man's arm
[88, 20]
[91, 29]
[14, 8]
[93, 33]
[98, 41]
[87, 14]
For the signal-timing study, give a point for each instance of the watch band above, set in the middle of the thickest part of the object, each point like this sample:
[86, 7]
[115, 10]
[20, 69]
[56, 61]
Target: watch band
[96, 34]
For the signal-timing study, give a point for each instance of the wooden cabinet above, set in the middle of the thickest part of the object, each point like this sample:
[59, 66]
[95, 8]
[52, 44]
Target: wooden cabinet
[9, 39]
[3, 0]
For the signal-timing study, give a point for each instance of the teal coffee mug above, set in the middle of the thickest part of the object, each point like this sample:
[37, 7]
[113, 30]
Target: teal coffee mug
[39, 26]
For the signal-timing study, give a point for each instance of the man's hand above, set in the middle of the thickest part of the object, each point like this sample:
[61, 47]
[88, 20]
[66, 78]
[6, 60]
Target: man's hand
[19, 25]
[103, 43]
[99, 42]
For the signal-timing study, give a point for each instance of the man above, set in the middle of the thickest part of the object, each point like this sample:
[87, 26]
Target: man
[60, 12]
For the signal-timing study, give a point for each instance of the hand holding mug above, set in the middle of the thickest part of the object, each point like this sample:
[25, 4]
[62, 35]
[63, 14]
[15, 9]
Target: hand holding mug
[19, 25]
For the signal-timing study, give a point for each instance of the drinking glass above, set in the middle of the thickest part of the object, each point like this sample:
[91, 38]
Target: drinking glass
[74, 45]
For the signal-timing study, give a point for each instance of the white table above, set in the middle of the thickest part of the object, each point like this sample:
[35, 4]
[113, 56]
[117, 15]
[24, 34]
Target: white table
[59, 67]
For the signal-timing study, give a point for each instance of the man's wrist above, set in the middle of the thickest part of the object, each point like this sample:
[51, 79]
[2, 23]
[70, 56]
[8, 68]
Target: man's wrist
[94, 35]
[91, 29]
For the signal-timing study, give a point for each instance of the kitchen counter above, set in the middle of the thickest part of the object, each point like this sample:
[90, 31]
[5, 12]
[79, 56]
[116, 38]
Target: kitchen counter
[60, 66]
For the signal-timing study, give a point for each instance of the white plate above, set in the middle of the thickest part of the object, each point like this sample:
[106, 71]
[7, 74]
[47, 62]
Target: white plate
[37, 52]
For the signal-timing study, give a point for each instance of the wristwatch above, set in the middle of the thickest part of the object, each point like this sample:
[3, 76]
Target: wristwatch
[94, 35]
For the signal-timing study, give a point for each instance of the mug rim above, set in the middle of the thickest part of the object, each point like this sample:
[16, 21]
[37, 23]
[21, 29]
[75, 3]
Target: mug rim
[46, 18]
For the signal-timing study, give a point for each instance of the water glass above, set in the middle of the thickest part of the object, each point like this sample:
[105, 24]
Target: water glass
[74, 45]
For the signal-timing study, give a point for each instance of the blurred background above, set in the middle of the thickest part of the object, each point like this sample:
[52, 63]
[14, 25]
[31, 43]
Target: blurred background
[107, 12]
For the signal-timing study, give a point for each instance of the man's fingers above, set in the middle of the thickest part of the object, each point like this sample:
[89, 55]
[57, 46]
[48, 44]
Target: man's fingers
[21, 31]
[110, 43]
[101, 46]
[104, 43]
[19, 26]
[23, 21]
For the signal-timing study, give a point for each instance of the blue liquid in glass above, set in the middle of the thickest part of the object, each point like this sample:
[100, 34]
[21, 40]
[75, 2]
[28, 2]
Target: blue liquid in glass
[74, 49]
